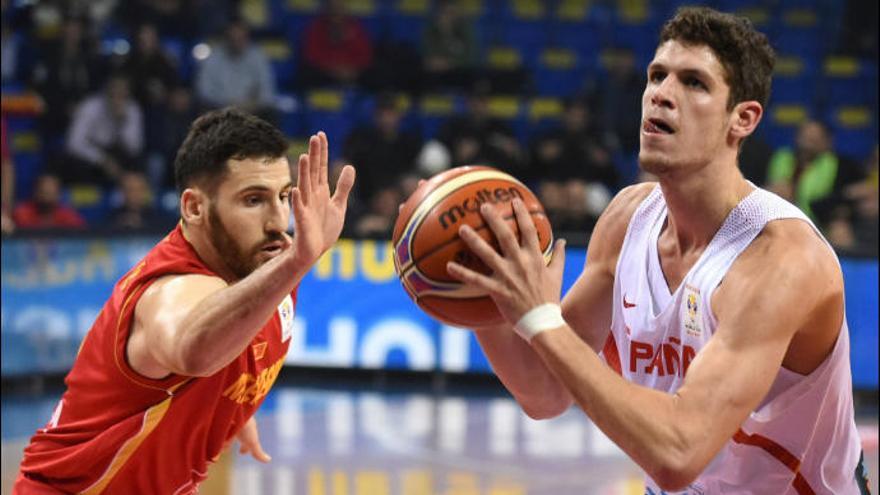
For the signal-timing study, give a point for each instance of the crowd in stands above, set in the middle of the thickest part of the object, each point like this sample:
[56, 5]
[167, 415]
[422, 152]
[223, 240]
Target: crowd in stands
[118, 83]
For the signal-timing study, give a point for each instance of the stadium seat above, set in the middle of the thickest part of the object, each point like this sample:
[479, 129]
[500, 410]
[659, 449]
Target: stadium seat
[280, 54]
[543, 113]
[794, 79]
[559, 72]
[433, 110]
[848, 81]
[782, 122]
[89, 200]
[329, 111]
[854, 129]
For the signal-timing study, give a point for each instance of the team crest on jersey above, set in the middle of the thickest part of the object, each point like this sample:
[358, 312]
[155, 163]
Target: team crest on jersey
[259, 350]
[692, 313]
[285, 314]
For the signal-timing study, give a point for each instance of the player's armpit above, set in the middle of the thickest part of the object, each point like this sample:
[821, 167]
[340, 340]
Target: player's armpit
[156, 347]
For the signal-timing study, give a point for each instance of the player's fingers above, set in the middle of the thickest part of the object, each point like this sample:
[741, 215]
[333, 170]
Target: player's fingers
[503, 232]
[481, 248]
[527, 232]
[344, 185]
[323, 172]
[296, 201]
[472, 278]
[303, 177]
[557, 262]
[259, 454]
[314, 158]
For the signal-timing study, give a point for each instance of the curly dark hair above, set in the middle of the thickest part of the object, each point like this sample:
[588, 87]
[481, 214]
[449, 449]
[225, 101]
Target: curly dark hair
[219, 135]
[745, 53]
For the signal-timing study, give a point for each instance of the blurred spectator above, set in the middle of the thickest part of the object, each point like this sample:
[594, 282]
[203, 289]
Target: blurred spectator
[68, 69]
[150, 70]
[173, 18]
[382, 150]
[811, 172]
[176, 119]
[106, 136]
[858, 32]
[152, 74]
[449, 48]
[336, 47]
[7, 195]
[575, 150]
[237, 73]
[619, 98]
[378, 220]
[475, 137]
[44, 209]
[137, 211]
[16, 57]
[574, 163]
[853, 226]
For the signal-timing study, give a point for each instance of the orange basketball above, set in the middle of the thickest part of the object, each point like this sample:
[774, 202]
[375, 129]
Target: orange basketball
[426, 238]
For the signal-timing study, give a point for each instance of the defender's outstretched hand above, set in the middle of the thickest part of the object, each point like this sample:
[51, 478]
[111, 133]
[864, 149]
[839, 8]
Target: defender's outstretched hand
[318, 216]
[520, 280]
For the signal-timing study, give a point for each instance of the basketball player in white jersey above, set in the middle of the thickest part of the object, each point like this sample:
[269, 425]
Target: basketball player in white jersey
[718, 307]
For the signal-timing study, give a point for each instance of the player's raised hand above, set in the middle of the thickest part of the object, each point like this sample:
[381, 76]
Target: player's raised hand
[520, 280]
[318, 216]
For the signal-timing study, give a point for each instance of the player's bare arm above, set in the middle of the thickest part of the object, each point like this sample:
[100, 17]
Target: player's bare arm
[195, 325]
[673, 437]
[586, 307]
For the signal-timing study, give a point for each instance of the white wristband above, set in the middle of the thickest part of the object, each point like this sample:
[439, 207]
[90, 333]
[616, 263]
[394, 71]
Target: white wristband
[538, 319]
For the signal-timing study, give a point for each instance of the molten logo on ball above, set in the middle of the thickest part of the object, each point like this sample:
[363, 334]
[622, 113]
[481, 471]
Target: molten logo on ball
[472, 204]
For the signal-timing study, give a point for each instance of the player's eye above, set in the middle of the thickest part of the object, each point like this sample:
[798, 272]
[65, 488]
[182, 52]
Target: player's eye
[693, 82]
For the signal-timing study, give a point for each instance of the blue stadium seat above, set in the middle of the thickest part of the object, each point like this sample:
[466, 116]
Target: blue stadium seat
[848, 81]
[854, 129]
[794, 79]
[329, 111]
[281, 56]
[781, 121]
[559, 72]
[434, 109]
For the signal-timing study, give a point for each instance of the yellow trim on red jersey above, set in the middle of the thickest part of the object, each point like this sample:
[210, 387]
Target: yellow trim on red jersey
[152, 416]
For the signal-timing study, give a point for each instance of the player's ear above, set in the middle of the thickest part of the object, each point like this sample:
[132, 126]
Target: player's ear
[744, 119]
[193, 206]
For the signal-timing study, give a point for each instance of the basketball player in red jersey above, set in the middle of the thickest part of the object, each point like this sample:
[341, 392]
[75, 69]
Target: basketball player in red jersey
[718, 306]
[193, 337]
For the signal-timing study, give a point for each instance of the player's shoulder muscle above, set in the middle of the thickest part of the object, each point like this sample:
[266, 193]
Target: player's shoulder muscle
[172, 296]
[607, 237]
[787, 266]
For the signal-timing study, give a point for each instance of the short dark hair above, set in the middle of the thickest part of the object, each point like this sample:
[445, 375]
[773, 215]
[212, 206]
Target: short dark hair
[219, 135]
[745, 53]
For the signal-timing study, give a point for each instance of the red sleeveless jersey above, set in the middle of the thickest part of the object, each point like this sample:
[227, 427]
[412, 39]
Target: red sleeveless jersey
[116, 431]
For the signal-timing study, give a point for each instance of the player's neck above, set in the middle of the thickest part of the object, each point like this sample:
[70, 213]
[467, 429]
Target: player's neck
[203, 247]
[699, 202]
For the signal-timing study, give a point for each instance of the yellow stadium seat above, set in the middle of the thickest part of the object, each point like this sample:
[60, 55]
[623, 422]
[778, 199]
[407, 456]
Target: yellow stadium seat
[545, 108]
[504, 57]
[504, 107]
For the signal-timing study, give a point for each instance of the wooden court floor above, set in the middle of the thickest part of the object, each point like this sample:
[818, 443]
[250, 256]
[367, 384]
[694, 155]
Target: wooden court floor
[375, 442]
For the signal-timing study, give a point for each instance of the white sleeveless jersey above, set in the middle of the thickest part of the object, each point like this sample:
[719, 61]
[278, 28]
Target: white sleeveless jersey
[802, 438]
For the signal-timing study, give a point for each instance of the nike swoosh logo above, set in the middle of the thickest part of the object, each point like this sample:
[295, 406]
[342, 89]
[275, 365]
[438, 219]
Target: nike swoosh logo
[627, 304]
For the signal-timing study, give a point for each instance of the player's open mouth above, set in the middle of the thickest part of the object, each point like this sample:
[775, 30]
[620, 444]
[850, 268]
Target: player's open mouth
[657, 126]
[273, 248]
